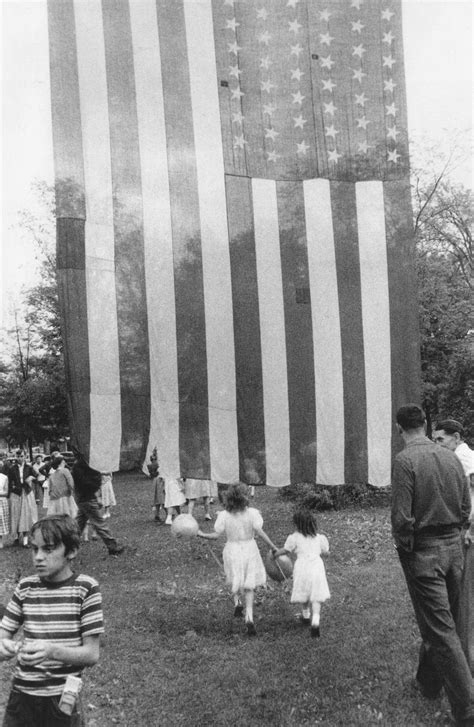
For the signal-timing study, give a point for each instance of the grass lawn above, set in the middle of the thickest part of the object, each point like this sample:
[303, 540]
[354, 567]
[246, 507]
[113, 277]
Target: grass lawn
[174, 656]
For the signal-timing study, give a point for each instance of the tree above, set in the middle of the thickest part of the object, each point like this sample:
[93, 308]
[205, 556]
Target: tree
[32, 383]
[443, 219]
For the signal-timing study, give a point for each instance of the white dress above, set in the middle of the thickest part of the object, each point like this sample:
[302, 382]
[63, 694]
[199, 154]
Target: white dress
[173, 493]
[243, 564]
[309, 574]
[107, 494]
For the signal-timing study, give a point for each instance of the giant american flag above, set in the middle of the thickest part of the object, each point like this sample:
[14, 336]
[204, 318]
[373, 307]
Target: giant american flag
[235, 252]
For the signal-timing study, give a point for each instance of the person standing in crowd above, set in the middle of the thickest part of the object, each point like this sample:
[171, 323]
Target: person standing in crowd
[87, 482]
[23, 510]
[61, 489]
[196, 489]
[39, 477]
[4, 506]
[107, 494]
[430, 508]
[449, 433]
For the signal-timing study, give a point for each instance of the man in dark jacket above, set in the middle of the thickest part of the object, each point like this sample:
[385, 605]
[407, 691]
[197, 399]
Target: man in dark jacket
[430, 510]
[86, 487]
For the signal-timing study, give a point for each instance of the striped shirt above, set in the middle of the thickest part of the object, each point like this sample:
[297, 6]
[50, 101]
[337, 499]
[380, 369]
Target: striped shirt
[60, 612]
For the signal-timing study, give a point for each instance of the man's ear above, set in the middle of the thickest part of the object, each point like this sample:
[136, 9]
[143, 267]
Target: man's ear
[72, 554]
[457, 437]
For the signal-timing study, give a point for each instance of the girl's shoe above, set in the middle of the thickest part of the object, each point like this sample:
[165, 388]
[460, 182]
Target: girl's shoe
[208, 517]
[238, 610]
[25, 541]
[169, 520]
[251, 630]
[302, 619]
[315, 632]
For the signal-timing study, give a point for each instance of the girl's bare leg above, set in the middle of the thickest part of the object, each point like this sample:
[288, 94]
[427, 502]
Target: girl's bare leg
[249, 598]
[316, 608]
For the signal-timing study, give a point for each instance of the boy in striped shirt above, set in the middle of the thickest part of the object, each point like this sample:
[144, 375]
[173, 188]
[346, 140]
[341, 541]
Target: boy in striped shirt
[62, 620]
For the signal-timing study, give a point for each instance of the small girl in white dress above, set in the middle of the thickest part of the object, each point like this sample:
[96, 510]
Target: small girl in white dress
[310, 586]
[243, 564]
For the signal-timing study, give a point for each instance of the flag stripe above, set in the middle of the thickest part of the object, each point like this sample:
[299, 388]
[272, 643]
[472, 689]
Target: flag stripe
[223, 439]
[247, 339]
[128, 231]
[344, 216]
[298, 331]
[105, 396]
[70, 213]
[272, 323]
[159, 277]
[188, 276]
[404, 346]
[376, 325]
[330, 447]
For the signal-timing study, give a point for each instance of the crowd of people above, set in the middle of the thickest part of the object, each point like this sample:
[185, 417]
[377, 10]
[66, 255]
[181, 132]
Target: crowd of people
[431, 511]
[46, 486]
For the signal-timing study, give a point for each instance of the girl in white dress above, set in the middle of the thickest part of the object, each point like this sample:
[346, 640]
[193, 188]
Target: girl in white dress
[243, 564]
[310, 586]
[107, 494]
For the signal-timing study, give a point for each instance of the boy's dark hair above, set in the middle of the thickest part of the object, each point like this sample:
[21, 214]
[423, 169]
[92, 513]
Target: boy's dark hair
[57, 529]
[236, 498]
[410, 416]
[305, 522]
[450, 426]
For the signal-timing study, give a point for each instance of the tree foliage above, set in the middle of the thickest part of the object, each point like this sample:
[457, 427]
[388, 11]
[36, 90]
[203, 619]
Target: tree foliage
[32, 379]
[443, 217]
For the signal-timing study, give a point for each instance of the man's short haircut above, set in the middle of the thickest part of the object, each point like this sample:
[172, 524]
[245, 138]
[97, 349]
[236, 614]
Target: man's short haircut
[57, 529]
[450, 426]
[410, 416]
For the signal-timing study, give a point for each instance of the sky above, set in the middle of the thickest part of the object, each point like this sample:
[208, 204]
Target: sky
[438, 40]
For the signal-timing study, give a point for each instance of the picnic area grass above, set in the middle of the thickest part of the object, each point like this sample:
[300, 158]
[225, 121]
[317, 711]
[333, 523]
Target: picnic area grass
[174, 656]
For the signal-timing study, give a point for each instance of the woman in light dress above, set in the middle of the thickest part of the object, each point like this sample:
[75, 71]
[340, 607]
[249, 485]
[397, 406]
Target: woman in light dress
[61, 489]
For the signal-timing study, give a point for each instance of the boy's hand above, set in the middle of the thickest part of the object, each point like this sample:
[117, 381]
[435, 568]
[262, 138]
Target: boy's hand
[8, 648]
[34, 652]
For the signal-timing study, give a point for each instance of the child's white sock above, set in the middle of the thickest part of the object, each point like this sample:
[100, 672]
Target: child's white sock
[306, 613]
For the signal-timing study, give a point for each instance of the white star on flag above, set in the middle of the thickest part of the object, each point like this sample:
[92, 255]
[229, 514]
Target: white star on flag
[361, 99]
[328, 85]
[334, 155]
[326, 38]
[389, 85]
[296, 49]
[325, 14]
[267, 86]
[302, 148]
[238, 117]
[298, 98]
[231, 24]
[237, 94]
[327, 62]
[294, 26]
[391, 109]
[264, 37]
[387, 14]
[296, 74]
[358, 73]
[357, 26]
[234, 71]
[392, 132]
[389, 61]
[233, 47]
[239, 141]
[358, 50]
[265, 63]
[331, 131]
[393, 156]
[388, 37]
[362, 122]
[262, 14]
[273, 156]
[269, 109]
[363, 147]
[299, 121]
[329, 108]
[271, 134]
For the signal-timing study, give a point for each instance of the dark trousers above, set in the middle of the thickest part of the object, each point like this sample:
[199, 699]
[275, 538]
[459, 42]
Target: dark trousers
[24, 710]
[433, 572]
[91, 510]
